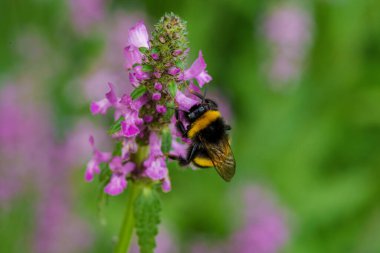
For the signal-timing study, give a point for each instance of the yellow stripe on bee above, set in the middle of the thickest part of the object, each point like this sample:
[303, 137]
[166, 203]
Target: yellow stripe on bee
[203, 162]
[202, 122]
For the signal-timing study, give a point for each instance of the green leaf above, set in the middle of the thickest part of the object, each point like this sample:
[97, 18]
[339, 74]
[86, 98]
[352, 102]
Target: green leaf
[180, 64]
[170, 112]
[138, 92]
[147, 217]
[143, 50]
[104, 178]
[116, 127]
[102, 202]
[105, 173]
[147, 68]
[172, 88]
[154, 50]
[166, 141]
[117, 149]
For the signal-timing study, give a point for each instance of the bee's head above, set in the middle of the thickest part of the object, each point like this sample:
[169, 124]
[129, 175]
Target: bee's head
[197, 110]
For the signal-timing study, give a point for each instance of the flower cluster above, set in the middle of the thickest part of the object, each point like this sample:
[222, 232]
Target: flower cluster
[288, 29]
[143, 129]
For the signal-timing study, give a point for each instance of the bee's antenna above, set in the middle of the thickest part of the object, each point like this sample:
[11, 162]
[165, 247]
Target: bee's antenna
[204, 95]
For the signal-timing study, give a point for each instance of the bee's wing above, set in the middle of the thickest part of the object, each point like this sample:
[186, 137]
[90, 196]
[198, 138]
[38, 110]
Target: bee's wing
[221, 156]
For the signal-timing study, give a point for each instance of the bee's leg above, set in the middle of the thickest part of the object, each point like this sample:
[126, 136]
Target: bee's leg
[182, 161]
[227, 127]
[180, 127]
[190, 155]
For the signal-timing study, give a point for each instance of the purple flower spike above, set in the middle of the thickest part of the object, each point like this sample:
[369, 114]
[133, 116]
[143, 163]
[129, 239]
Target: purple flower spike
[138, 35]
[161, 109]
[157, 86]
[118, 180]
[156, 96]
[184, 102]
[132, 56]
[97, 158]
[174, 71]
[198, 71]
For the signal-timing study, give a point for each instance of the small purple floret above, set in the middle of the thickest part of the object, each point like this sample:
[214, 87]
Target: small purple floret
[161, 109]
[158, 86]
[156, 96]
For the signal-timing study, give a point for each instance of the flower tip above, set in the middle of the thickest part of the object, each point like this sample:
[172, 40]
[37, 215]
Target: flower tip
[138, 35]
[88, 177]
[111, 96]
[94, 108]
[166, 185]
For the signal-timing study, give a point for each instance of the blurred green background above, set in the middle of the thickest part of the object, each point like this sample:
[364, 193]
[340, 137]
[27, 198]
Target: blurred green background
[310, 136]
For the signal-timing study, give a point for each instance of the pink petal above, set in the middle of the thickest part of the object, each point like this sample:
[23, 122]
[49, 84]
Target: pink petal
[133, 80]
[138, 35]
[111, 96]
[184, 102]
[91, 170]
[198, 71]
[129, 130]
[115, 163]
[100, 107]
[166, 185]
[116, 185]
[196, 68]
[132, 56]
[203, 78]
[128, 168]
[156, 169]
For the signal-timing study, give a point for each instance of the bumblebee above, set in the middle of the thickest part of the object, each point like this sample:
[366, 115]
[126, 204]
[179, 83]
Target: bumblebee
[209, 139]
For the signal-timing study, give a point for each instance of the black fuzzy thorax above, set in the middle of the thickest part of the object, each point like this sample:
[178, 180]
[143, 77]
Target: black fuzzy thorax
[214, 132]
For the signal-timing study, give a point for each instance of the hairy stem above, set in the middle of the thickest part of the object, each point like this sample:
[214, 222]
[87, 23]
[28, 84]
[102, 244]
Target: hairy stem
[126, 230]
[134, 189]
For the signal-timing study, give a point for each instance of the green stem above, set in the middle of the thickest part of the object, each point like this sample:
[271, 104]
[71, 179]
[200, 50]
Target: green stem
[126, 230]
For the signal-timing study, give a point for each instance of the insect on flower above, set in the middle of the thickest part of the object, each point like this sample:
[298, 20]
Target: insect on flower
[209, 139]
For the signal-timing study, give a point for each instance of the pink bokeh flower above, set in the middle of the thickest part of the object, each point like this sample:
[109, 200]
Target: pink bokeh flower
[288, 29]
[264, 229]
